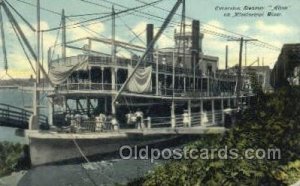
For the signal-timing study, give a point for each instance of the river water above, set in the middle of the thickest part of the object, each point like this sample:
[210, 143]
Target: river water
[105, 172]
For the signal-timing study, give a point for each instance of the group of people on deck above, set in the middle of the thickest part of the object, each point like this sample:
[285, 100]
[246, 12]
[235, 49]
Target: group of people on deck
[104, 122]
[136, 119]
[99, 123]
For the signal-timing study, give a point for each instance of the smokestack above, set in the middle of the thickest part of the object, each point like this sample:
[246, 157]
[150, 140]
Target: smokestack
[195, 42]
[195, 35]
[149, 39]
[226, 58]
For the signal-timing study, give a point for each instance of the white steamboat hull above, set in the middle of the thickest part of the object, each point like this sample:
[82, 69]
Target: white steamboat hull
[59, 148]
[52, 148]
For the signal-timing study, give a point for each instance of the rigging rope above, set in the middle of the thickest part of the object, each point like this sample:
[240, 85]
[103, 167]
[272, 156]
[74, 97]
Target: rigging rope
[90, 14]
[263, 44]
[141, 14]
[42, 8]
[78, 24]
[210, 25]
[55, 43]
[23, 47]
[137, 35]
[27, 23]
[3, 40]
[130, 29]
[89, 162]
[130, 42]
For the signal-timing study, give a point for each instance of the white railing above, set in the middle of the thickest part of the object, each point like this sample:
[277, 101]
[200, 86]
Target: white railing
[195, 119]
[88, 86]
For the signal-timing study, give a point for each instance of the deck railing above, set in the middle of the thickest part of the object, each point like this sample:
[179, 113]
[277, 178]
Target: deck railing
[194, 120]
[86, 86]
[12, 116]
[124, 62]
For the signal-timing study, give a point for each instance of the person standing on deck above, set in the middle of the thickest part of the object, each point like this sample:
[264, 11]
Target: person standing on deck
[139, 117]
[131, 119]
[73, 123]
[100, 122]
[186, 118]
[114, 123]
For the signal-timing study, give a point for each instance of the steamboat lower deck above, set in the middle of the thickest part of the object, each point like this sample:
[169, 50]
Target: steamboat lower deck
[47, 147]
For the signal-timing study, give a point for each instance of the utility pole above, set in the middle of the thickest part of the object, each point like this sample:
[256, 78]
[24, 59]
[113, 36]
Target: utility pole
[226, 57]
[239, 74]
[239, 71]
[245, 53]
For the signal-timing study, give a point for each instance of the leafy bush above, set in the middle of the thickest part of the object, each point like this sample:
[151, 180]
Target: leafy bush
[9, 156]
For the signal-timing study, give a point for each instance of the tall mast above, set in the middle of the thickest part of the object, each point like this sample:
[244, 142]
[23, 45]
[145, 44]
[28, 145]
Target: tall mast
[63, 24]
[183, 29]
[183, 36]
[34, 124]
[113, 35]
[38, 34]
[113, 59]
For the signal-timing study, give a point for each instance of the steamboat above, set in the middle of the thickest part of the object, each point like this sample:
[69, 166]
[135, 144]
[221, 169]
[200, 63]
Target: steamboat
[100, 101]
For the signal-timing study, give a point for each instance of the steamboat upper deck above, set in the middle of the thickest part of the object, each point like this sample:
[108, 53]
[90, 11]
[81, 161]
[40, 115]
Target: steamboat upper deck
[164, 83]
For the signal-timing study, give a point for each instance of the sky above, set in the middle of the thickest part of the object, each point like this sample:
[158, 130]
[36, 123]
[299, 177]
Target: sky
[275, 30]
